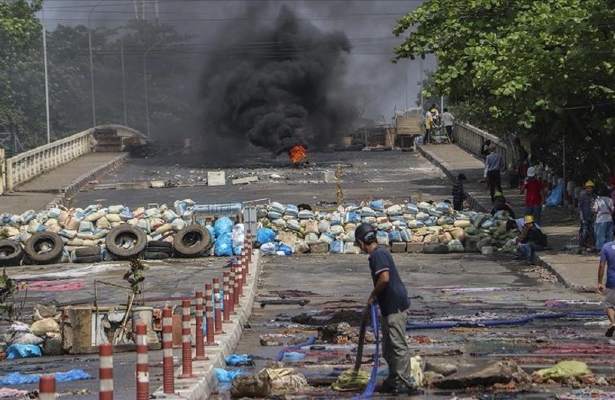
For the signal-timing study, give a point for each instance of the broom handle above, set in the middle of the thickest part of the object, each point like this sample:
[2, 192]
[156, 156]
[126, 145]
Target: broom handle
[357, 363]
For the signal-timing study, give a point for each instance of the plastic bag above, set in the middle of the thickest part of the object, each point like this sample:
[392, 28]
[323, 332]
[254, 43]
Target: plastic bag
[224, 245]
[268, 249]
[265, 235]
[238, 235]
[554, 198]
[223, 225]
[235, 360]
[16, 378]
[23, 351]
[284, 249]
[292, 356]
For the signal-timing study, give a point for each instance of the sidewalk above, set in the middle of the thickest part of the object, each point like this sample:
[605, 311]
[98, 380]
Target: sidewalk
[59, 183]
[560, 224]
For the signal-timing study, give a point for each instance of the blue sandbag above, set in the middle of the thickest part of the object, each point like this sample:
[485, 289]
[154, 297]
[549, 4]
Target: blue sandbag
[377, 205]
[395, 236]
[224, 245]
[337, 247]
[223, 225]
[23, 351]
[226, 376]
[17, 378]
[353, 217]
[236, 360]
[265, 235]
[554, 198]
[286, 249]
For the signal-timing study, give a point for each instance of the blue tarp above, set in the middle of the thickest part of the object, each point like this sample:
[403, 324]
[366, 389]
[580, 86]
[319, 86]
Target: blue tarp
[555, 197]
[224, 245]
[23, 351]
[223, 225]
[17, 378]
[226, 376]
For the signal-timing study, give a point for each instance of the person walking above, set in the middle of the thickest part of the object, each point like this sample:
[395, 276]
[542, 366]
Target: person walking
[586, 215]
[534, 191]
[484, 148]
[494, 163]
[603, 224]
[458, 193]
[429, 125]
[392, 298]
[448, 120]
[607, 264]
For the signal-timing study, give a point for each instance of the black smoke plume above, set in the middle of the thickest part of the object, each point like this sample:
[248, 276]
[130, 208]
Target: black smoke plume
[276, 85]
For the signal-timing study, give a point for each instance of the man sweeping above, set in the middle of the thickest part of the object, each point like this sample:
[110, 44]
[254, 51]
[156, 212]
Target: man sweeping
[392, 298]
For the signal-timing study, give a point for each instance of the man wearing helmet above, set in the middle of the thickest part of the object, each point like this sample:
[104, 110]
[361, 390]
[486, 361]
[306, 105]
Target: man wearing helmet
[392, 298]
[586, 231]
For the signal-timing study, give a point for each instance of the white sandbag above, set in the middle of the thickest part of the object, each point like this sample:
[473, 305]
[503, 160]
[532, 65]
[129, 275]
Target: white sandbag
[95, 216]
[311, 227]
[311, 238]
[394, 210]
[113, 218]
[117, 209]
[325, 238]
[324, 226]
[279, 223]
[162, 229]
[301, 246]
[462, 223]
[350, 248]
[336, 230]
[103, 223]
[40, 328]
[382, 238]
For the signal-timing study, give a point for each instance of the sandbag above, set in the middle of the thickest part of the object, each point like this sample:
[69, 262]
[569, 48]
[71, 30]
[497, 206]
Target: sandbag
[40, 328]
[382, 238]
[265, 235]
[323, 226]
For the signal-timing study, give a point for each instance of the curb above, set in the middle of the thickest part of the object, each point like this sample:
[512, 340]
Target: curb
[204, 382]
[477, 206]
[67, 192]
[441, 164]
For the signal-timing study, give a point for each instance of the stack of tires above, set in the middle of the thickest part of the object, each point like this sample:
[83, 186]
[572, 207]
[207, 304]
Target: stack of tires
[158, 250]
[192, 241]
[11, 253]
[125, 242]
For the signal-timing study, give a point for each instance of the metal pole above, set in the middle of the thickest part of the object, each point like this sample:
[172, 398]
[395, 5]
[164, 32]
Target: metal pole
[46, 80]
[421, 82]
[146, 94]
[124, 84]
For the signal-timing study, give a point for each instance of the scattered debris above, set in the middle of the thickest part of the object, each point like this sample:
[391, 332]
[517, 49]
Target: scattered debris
[244, 181]
[269, 382]
[216, 178]
[562, 371]
[503, 372]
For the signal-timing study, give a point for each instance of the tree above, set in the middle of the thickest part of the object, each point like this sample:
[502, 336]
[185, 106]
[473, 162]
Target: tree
[20, 31]
[544, 69]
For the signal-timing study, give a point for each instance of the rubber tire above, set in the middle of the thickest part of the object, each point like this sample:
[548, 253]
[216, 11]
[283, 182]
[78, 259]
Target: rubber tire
[49, 257]
[120, 252]
[435, 249]
[88, 259]
[160, 249]
[156, 255]
[14, 258]
[159, 244]
[194, 250]
[87, 251]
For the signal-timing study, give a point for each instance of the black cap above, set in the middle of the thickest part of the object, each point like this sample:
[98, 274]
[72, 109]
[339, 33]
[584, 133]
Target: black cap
[365, 233]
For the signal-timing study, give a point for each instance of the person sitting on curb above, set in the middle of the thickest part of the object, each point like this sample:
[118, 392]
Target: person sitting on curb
[607, 262]
[530, 240]
[392, 297]
[500, 204]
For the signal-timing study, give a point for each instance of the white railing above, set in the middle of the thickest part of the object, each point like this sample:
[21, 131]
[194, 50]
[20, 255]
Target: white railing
[29, 164]
[471, 139]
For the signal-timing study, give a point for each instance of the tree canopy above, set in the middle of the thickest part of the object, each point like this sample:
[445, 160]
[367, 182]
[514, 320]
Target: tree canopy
[540, 68]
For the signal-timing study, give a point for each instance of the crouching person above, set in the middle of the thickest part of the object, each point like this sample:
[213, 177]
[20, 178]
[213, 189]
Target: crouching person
[530, 240]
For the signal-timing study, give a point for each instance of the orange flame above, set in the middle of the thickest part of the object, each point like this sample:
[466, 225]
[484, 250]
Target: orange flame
[297, 154]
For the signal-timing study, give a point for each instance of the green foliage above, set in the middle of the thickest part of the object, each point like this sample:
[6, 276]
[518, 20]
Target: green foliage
[544, 69]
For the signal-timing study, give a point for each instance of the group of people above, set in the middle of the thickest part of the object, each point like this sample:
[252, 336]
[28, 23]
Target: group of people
[435, 120]
[597, 215]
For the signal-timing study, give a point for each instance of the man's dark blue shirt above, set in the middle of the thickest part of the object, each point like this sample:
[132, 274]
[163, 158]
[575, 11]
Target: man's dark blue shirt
[394, 297]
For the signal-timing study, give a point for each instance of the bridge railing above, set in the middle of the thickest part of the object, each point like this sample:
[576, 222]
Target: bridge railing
[471, 139]
[27, 165]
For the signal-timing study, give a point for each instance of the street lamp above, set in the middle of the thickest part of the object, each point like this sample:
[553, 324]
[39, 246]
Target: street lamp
[92, 63]
[147, 122]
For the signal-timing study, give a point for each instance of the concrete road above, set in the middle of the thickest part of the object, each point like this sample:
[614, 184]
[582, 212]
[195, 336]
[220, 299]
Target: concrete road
[166, 282]
[441, 287]
[366, 175]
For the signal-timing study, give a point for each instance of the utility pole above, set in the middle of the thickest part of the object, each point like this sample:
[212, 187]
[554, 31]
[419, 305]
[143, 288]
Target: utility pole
[46, 79]
[123, 83]
[93, 95]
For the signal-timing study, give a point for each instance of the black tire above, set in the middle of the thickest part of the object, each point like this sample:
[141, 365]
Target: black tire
[88, 259]
[11, 253]
[44, 248]
[159, 244]
[87, 251]
[123, 233]
[156, 255]
[435, 249]
[159, 249]
[192, 241]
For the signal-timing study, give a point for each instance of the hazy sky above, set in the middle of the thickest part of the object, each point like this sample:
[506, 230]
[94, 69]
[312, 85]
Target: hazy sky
[368, 24]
